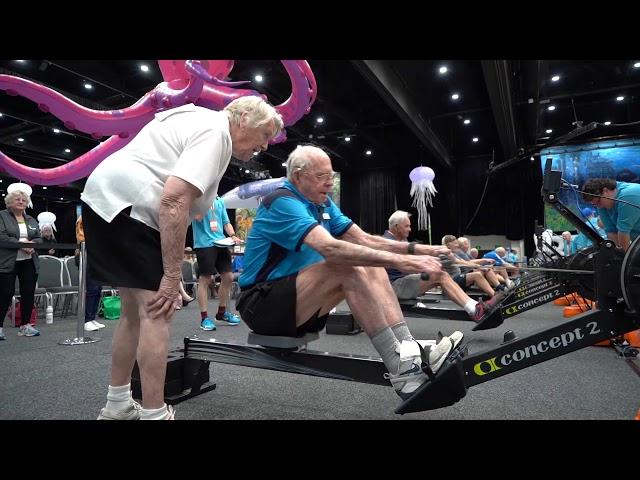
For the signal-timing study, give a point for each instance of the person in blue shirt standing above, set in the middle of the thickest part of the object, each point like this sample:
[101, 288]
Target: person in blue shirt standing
[581, 240]
[304, 256]
[207, 230]
[621, 220]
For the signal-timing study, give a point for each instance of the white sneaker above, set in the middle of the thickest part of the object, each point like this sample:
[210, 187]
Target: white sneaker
[90, 326]
[407, 382]
[131, 413]
[98, 324]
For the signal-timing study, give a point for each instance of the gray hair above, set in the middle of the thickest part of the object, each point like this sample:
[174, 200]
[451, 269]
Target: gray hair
[259, 112]
[397, 217]
[300, 158]
[9, 197]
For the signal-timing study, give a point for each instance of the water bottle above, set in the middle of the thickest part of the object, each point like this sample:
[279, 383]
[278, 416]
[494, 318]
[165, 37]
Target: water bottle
[49, 315]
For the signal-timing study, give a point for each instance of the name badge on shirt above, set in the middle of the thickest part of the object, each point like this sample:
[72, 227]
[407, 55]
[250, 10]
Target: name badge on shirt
[326, 216]
[213, 225]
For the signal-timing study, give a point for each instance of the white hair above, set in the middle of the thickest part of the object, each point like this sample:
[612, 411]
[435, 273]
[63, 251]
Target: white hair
[258, 111]
[300, 157]
[9, 197]
[397, 217]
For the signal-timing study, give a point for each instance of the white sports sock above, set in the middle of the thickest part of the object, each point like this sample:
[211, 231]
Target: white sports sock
[470, 307]
[153, 413]
[119, 398]
[1, 331]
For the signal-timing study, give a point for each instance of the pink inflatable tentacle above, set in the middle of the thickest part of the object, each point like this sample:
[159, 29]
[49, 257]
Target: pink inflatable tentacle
[306, 70]
[69, 172]
[217, 98]
[75, 116]
[299, 102]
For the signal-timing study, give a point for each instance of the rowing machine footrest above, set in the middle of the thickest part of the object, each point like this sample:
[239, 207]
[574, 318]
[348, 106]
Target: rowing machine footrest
[276, 341]
[447, 389]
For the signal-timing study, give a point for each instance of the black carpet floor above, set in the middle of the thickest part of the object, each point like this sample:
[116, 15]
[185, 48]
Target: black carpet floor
[40, 379]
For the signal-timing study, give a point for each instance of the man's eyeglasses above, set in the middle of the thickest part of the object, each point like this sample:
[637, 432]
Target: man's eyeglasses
[323, 177]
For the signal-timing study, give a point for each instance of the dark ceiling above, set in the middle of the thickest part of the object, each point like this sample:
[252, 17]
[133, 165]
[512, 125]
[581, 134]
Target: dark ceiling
[401, 110]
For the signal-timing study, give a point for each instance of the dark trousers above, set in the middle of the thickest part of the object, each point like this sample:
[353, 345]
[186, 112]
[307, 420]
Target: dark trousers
[92, 299]
[25, 270]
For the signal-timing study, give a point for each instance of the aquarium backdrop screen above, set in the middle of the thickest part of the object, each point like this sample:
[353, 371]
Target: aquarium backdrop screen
[617, 159]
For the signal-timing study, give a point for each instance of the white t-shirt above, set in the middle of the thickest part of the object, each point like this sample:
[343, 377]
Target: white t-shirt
[189, 142]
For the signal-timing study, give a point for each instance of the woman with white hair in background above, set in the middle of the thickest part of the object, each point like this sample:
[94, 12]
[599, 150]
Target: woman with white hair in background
[47, 222]
[16, 226]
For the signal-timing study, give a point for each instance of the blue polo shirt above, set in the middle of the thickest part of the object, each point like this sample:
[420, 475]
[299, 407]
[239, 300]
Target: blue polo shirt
[203, 236]
[499, 261]
[623, 218]
[275, 246]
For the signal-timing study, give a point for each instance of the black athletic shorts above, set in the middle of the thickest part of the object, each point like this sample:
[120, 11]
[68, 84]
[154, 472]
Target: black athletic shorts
[461, 280]
[212, 260]
[269, 308]
[123, 253]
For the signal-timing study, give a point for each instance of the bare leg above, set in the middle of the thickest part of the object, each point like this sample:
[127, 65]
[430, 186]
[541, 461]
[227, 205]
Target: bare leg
[203, 291]
[481, 282]
[153, 347]
[492, 278]
[226, 279]
[367, 290]
[184, 295]
[125, 339]
[453, 291]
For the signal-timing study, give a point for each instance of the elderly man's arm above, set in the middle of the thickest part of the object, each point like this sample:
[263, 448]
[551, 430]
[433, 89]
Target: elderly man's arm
[356, 235]
[347, 253]
[175, 203]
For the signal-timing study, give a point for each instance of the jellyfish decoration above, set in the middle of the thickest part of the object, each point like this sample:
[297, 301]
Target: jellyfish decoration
[47, 218]
[422, 191]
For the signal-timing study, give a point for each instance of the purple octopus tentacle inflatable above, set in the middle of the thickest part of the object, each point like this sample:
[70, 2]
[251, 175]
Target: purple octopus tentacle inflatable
[186, 81]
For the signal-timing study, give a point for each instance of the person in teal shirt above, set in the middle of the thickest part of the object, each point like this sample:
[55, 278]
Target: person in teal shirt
[582, 241]
[621, 220]
[212, 259]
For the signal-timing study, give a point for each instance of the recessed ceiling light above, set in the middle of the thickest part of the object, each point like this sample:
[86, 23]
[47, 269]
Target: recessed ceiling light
[44, 188]
[258, 78]
[368, 152]
[88, 86]
[620, 98]
[284, 164]
[61, 198]
[476, 139]
[144, 68]
[443, 70]
[532, 158]
[455, 96]
[636, 65]
[347, 139]
[66, 150]
[20, 61]
[21, 139]
[319, 119]
[466, 121]
[555, 78]
[255, 153]
[607, 123]
[551, 108]
[0, 114]
[548, 130]
[246, 170]
[55, 130]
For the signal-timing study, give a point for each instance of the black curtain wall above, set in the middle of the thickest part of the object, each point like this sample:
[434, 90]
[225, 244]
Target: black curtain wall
[369, 197]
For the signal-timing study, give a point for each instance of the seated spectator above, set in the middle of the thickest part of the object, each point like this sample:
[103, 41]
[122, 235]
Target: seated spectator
[582, 241]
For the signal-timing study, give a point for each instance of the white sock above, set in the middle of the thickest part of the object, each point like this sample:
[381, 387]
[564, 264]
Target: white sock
[508, 283]
[119, 398]
[470, 307]
[153, 413]
[1, 331]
